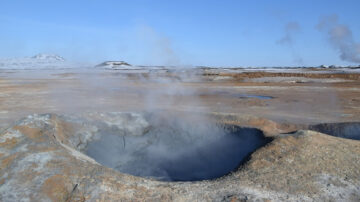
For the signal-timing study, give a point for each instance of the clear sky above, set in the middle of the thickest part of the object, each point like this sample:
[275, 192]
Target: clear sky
[180, 32]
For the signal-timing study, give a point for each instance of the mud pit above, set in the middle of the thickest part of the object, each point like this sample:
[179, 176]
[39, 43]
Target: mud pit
[349, 130]
[177, 151]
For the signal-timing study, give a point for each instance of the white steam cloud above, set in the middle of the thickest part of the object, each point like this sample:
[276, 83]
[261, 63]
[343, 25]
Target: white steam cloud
[341, 38]
[155, 48]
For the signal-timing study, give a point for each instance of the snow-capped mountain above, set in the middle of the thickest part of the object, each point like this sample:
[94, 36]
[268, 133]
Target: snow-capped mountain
[39, 61]
[122, 65]
[114, 65]
[48, 57]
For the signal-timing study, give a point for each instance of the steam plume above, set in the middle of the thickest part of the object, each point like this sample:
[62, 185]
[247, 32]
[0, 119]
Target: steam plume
[288, 39]
[341, 38]
[290, 29]
[157, 46]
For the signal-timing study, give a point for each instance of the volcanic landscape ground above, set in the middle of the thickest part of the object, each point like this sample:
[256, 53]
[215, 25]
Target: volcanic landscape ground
[311, 115]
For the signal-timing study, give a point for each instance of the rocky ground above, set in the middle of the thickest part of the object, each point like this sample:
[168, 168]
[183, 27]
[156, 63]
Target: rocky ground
[42, 156]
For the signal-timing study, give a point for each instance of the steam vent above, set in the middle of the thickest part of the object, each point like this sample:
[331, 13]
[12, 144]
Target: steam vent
[150, 133]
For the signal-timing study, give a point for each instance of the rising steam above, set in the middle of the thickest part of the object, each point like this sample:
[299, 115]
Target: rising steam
[291, 28]
[341, 38]
[155, 48]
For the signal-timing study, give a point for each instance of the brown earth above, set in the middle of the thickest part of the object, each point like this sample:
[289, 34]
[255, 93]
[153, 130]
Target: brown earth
[40, 160]
[306, 102]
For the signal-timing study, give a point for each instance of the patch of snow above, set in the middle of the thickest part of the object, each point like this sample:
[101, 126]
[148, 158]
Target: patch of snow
[37, 120]
[115, 65]
[336, 188]
[122, 65]
[38, 159]
[10, 134]
[48, 57]
[221, 78]
[294, 80]
[12, 190]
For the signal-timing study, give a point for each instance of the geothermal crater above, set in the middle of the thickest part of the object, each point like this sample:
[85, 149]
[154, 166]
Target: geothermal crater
[349, 130]
[168, 148]
[174, 149]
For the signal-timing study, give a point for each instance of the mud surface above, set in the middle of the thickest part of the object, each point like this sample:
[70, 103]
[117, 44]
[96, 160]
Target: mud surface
[44, 157]
[172, 153]
[320, 101]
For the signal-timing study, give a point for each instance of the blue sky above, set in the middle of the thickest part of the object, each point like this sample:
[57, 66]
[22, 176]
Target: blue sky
[183, 32]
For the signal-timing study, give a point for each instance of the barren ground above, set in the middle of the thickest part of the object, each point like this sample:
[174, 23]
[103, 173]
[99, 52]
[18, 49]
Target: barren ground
[310, 97]
[40, 158]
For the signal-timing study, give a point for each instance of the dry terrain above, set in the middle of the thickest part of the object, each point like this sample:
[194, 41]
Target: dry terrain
[42, 156]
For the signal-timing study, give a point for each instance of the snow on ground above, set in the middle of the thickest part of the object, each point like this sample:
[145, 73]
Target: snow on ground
[121, 65]
[51, 62]
[49, 57]
[286, 70]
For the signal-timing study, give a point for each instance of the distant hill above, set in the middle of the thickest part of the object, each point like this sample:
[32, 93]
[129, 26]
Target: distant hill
[39, 61]
[48, 57]
[114, 65]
